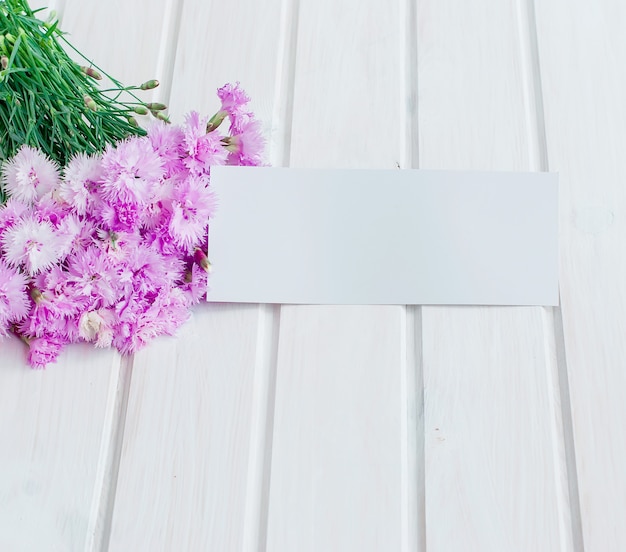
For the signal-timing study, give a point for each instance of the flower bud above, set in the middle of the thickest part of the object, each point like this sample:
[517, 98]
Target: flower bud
[36, 295]
[232, 143]
[200, 257]
[160, 116]
[133, 122]
[140, 110]
[91, 72]
[89, 102]
[149, 85]
[4, 62]
[216, 121]
[155, 106]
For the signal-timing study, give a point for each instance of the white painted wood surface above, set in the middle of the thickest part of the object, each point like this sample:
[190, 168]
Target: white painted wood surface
[434, 429]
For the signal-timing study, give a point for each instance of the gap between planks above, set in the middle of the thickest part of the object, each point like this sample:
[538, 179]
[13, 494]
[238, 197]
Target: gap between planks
[413, 507]
[268, 332]
[556, 363]
[103, 502]
[260, 456]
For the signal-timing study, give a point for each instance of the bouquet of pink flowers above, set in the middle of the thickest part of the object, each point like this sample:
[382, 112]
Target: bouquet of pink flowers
[111, 247]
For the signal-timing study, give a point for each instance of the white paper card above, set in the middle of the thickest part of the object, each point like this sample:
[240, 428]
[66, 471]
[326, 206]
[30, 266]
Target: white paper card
[321, 236]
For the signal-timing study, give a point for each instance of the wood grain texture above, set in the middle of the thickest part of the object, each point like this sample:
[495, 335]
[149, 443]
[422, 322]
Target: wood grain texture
[339, 460]
[182, 482]
[581, 48]
[227, 42]
[193, 454]
[124, 38]
[336, 476]
[494, 473]
[54, 428]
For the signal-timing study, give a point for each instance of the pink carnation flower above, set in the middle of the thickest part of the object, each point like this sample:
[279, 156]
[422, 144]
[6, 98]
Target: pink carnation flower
[142, 322]
[55, 302]
[167, 142]
[11, 213]
[44, 350]
[120, 216]
[158, 213]
[195, 284]
[29, 175]
[131, 171]
[148, 271]
[202, 149]
[32, 244]
[81, 178]
[94, 276]
[247, 145]
[14, 304]
[234, 99]
[97, 327]
[193, 204]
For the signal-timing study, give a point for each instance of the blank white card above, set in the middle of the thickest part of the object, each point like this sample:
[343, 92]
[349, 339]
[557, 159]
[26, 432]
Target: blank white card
[383, 237]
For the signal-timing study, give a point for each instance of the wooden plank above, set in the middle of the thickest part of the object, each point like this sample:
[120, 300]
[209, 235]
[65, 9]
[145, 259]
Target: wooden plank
[124, 38]
[57, 427]
[583, 72]
[336, 458]
[495, 474]
[184, 463]
[193, 455]
[339, 473]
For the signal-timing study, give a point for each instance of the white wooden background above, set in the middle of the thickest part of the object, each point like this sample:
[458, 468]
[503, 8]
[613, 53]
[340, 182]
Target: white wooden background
[319, 428]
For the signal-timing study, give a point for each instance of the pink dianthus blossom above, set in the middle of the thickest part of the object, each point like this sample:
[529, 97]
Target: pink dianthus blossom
[14, 304]
[81, 178]
[193, 204]
[97, 326]
[131, 171]
[44, 350]
[29, 175]
[32, 244]
[203, 150]
[167, 142]
[55, 302]
[11, 213]
[246, 147]
[94, 276]
[195, 284]
[234, 99]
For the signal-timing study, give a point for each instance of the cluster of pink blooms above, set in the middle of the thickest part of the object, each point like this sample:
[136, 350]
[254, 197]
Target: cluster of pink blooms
[112, 249]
